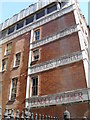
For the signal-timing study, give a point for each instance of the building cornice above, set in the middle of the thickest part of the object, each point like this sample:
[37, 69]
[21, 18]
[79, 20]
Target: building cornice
[33, 8]
[38, 23]
[48, 65]
[25, 12]
[55, 37]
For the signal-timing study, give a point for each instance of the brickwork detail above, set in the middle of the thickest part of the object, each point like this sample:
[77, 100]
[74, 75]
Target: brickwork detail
[53, 38]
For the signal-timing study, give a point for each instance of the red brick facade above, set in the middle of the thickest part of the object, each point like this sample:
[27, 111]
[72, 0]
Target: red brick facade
[20, 44]
[66, 78]
[58, 25]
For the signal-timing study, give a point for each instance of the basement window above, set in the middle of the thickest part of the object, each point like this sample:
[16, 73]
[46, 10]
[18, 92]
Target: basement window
[51, 8]
[34, 86]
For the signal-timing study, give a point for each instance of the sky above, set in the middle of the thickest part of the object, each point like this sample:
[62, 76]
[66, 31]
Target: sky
[8, 8]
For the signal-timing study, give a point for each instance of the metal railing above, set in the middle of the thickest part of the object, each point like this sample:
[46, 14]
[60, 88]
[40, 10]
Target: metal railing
[27, 115]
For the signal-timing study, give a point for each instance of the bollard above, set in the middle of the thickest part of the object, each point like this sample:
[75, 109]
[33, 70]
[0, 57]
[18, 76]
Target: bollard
[46, 117]
[42, 117]
[6, 112]
[32, 117]
[12, 115]
[27, 113]
[17, 115]
[36, 116]
[51, 118]
[6, 117]
[54, 118]
[22, 116]
[39, 116]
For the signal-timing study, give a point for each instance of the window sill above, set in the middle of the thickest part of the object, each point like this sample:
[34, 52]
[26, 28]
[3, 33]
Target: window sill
[34, 62]
[11, 101]
[7, 54]
[16, 67]
[35, 41]
[3, 70]
[34, 96]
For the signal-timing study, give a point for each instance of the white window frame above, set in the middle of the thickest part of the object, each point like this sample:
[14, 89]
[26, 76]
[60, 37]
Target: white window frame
[5, 65]
[10, 97]
[10, 90]
[33, 55]
[6, 53]
[15, 59]
[32, 85]
[35, 34]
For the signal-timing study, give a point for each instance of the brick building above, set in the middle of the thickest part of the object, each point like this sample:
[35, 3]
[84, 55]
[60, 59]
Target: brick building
[44, 60]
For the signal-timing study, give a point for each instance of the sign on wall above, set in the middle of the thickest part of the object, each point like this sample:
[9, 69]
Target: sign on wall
[64, 60]
[57, 99]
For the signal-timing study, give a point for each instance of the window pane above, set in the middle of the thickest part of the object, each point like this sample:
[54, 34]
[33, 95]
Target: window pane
[37, 35]
[17, 62]
[35, 55]
[4, 63]
[33, 82]
[36, 82]
[8, 49]
[52, 8]
[36, 91]
[40, 14]
[3, 33]
[34, 86]
[29, 20]
[14, 88]
[20, 25]
[10, 30]
[63, 4]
